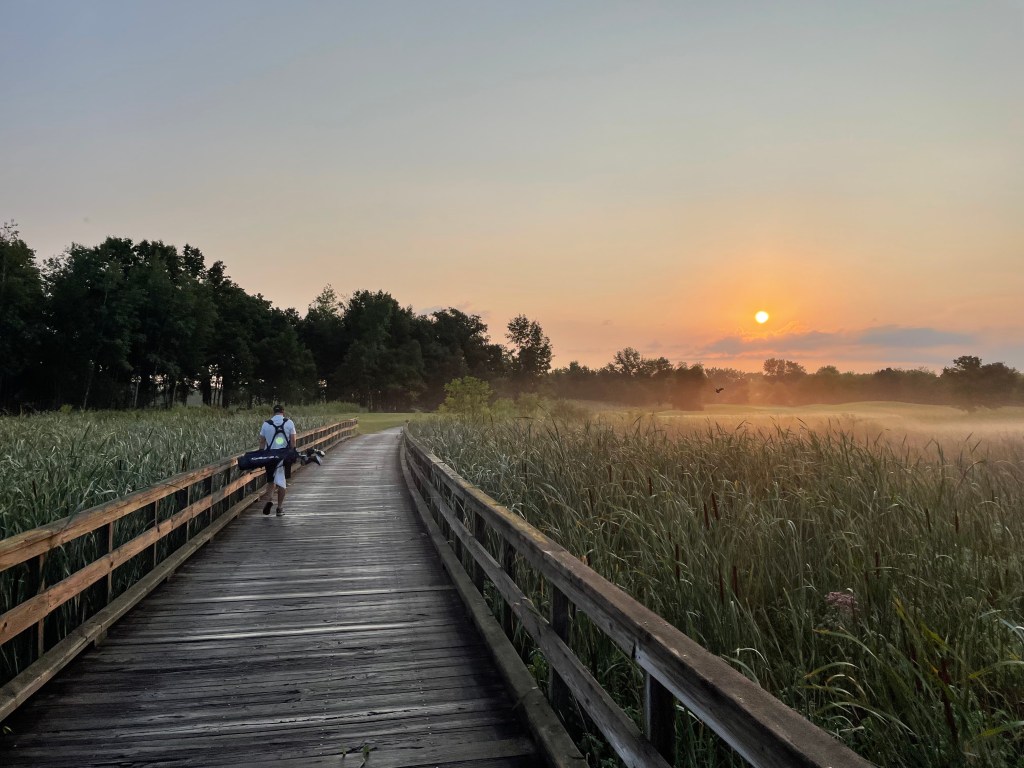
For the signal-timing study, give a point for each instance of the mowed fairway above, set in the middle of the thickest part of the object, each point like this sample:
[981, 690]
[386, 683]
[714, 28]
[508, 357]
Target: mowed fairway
[863, 562]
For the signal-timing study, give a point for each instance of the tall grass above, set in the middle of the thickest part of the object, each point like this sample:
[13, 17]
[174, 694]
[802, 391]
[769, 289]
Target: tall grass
[56, 465]
[874, 584]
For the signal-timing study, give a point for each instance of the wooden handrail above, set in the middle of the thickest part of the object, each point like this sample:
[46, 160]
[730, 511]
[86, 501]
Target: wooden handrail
[762, 729]
[28, 544]
[39, 542]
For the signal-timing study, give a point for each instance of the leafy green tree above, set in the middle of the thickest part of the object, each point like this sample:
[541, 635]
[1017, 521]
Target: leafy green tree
[688, 385]
[284, 367]
[230, 365]
[729, 385]
[974, 384]
[640, 379]
[783, 378]
[322, 331]
[467, 396]
[912, 386]
[783, 370]
[92, 319]
[454, 345]
[128, 323]
[530, 357]
[175, 322]
[627, 361]
[21, 299]
[382, 367]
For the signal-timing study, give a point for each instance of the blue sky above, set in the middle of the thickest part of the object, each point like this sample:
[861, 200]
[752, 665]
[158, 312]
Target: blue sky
[627, 174]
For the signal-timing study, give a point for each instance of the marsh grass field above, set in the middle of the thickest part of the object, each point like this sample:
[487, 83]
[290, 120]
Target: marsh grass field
[864, 563]
[57, 465]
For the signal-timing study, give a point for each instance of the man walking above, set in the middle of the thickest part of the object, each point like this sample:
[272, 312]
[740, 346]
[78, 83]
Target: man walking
[277, 434]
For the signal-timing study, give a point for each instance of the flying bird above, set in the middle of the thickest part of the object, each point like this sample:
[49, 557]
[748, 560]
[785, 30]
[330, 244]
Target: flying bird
[718, 389]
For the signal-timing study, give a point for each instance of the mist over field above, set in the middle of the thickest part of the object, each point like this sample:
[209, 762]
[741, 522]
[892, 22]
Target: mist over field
[918, 425]
[861, 561]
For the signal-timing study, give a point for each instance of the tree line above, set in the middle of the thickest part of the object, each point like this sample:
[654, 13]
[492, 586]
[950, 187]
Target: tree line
[129, 325]
[633, 379]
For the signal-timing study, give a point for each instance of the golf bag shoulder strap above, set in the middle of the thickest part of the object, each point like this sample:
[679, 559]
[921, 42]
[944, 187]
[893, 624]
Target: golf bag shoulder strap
[278, 430]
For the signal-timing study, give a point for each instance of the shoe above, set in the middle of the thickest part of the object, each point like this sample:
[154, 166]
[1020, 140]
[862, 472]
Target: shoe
[280, 512]
[266, 507]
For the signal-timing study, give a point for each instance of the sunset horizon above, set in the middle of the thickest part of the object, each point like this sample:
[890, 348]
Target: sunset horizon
[647, 178]
[577, 383]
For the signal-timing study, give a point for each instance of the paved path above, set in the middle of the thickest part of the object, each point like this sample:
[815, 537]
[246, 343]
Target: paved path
[290, 641]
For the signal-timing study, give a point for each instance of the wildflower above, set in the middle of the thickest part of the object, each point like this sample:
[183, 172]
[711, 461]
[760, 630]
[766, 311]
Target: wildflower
[844, 602]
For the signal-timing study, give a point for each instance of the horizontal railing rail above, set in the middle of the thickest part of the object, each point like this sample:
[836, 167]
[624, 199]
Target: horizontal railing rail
[762, 729]
[163, 525]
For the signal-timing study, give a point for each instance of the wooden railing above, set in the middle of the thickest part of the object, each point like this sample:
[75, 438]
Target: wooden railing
[763, 730]
[158, 528]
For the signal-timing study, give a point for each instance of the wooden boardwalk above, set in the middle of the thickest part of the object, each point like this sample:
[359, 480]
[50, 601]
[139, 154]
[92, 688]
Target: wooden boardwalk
[290, 641]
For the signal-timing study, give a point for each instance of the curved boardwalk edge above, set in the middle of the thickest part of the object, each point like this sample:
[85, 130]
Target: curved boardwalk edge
[535, 711]
[763, 730]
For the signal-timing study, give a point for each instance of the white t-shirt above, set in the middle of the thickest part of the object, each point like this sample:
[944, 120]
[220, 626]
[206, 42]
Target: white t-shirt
[267, 432]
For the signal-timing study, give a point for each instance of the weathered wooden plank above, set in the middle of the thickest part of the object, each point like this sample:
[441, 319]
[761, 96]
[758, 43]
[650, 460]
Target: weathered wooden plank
[761, 728]
[627, 740]
[36, 608]
[469, 735]
[556, 745]
[289, 641]
[18, 690]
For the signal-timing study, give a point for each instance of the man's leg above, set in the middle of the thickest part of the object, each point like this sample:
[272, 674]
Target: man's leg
[280, 476]
[268, 494]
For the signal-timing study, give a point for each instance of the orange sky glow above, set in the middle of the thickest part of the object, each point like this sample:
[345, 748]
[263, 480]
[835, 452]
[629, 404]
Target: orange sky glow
[625, 175]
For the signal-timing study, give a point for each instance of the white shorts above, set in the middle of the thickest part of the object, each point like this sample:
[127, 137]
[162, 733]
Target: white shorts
[279, 478]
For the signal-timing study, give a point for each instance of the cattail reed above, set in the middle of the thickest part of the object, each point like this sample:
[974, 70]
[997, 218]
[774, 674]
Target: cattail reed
[851, 507]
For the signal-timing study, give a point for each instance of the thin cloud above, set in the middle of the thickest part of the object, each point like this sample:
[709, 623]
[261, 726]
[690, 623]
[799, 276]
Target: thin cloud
[878, 340]
[916, 338]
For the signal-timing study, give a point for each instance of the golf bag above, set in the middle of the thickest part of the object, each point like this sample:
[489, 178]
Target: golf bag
[271, 456]
[311, 454]
[268, 457]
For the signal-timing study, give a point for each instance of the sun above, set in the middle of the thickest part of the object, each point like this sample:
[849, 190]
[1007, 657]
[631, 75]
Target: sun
[761, 317]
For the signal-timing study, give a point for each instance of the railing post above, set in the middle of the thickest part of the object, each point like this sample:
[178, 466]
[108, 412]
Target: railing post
[110, 575]
[560, 698]
[508, 565]
[40, 644]
[660, 717]
[180, 502]
[442, 521]
[207, 493]
[480, 534]
[156, 524]
[225, 481]
[456, 505]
